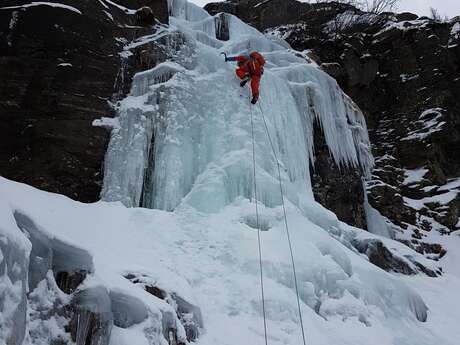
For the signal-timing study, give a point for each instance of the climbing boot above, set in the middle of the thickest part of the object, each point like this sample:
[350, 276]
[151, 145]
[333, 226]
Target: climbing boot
[254, 99]
[245, 80]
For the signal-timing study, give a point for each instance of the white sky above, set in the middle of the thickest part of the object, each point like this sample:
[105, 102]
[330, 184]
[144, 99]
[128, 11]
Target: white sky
[450, 8]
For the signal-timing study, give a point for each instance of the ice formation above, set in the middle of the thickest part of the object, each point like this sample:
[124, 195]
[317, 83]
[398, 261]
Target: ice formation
[189, 116]
[188, 266]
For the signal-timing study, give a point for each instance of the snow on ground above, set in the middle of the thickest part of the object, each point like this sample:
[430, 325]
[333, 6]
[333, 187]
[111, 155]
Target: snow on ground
[447, 192]
[442, 199]
[403, 26]
[451, 185]
[211, 260]
[437, 293]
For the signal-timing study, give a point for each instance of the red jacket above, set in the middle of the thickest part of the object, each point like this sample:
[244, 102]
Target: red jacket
[253, 64]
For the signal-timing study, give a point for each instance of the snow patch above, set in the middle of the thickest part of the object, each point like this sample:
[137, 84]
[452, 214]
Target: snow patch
[403, 25]
[442, 199]
[429, 122]
[107, 122]
[414, 175]
[406, 77]
[346, 20]
[42, 3]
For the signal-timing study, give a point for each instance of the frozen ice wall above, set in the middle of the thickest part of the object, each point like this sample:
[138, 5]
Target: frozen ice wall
[185, 133]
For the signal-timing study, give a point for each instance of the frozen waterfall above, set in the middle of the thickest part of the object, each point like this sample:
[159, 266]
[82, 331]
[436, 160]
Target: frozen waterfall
[184, 134]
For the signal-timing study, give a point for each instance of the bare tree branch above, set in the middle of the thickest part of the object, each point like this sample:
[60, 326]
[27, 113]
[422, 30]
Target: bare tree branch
[372, 6]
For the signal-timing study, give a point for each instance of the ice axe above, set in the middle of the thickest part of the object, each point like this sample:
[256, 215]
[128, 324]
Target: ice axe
[225, 55]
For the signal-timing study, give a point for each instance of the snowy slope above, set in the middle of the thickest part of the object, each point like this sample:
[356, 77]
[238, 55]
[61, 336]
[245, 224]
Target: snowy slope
[198, 240]
[211, 261]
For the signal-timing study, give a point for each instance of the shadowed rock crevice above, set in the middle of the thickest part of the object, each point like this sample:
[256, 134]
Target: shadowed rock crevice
[338, 188]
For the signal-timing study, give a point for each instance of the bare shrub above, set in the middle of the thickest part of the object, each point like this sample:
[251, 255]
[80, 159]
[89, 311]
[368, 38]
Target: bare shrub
[372, 6]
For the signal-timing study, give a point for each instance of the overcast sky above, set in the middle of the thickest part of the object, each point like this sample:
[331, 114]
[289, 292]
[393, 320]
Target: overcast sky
[450, 8]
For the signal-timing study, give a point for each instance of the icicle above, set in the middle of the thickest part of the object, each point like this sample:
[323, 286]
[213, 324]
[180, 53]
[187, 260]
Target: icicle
[159, 74]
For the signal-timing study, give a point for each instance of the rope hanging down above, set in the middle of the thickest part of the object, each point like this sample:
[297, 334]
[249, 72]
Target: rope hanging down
[257, 224]
[285, 222]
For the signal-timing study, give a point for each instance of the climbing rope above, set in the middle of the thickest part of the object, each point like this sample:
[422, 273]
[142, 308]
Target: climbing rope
[285, 222]
[258, 227]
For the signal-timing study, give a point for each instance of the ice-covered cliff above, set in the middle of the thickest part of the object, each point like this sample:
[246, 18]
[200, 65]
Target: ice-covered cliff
[186, 266]
[184, 132]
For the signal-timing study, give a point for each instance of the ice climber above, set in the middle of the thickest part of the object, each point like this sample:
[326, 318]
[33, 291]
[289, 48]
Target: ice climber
[250, 67]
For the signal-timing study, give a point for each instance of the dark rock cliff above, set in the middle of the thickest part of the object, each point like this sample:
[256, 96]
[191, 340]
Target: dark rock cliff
[404, 73]
[340, 189]
[60, 67]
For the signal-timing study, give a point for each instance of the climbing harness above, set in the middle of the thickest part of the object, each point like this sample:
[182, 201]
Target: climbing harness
[285, 223]
[257, 224]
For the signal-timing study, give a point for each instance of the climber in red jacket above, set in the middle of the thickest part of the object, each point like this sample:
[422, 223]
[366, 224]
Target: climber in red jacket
[249, 68]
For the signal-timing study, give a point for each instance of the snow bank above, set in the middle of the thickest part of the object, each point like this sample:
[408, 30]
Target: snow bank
[429, 122]
[211, 262]
[414, 175]
[105, 292]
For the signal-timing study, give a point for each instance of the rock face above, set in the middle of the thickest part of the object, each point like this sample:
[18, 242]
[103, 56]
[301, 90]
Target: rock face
[280, 12]
[60, 68]
[338, 189]
[269, 14]
[404, 73]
